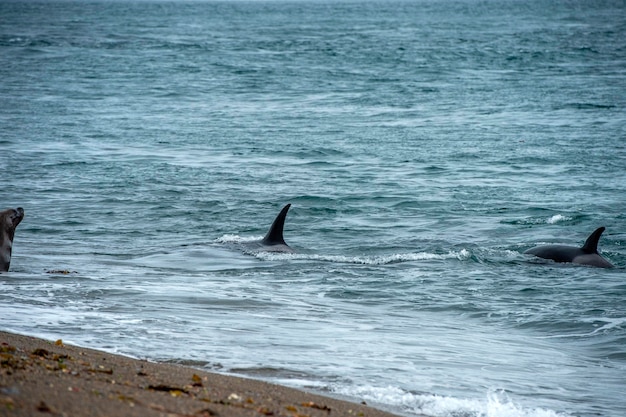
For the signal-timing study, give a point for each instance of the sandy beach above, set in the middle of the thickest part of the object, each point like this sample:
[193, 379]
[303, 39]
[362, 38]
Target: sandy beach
[41, 377]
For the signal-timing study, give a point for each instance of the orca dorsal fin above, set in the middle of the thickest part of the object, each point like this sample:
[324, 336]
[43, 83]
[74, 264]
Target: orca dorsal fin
[274, 236]
[591, 244]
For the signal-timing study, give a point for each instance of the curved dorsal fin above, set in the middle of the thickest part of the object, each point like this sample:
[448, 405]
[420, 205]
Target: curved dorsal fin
[275, 235]
[591, 244]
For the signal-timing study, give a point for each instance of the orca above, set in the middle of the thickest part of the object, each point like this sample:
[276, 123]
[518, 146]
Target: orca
[585, 255]
[9, 219]
[273, 240]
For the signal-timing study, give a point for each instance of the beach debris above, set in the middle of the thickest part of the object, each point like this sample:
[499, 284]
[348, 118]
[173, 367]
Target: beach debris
[291, 408]
[9, 360]
[197, 381]
[174, 391]
[59, 342]
[8, 403]
[235, 397]
[294, 411]
[101, 369]
[41, 352]
[127, 399]
[205, 412]
[43, 408]
[5, 347]
[265, 411]
[311, 404]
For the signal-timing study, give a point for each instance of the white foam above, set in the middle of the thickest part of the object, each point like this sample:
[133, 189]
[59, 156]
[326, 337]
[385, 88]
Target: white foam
[610, 323]
[365, 260]
[461, 255]
[236, 239]
[300, 383]
[557, 218]
[495, 404]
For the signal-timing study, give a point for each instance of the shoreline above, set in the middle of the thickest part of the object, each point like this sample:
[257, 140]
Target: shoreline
[48, 378]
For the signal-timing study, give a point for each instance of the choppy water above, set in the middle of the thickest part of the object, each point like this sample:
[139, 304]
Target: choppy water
[423, 145]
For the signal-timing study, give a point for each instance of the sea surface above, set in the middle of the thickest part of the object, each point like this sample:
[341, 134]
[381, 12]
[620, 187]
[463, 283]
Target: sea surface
[423, 145]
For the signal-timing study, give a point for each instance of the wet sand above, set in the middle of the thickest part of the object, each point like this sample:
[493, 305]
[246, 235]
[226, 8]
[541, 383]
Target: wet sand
[49, 378]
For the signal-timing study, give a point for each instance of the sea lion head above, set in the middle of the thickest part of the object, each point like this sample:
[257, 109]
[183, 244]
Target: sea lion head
[9, 219]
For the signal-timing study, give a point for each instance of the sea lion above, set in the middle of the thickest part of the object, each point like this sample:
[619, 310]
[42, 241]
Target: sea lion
[9, 219]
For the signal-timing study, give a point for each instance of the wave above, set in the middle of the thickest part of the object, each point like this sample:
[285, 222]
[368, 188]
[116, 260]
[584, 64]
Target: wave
[558, 218]
[461, 255]
[495, 404]
[236, 239]
[602, 325]
[554, 219]
[584, 106]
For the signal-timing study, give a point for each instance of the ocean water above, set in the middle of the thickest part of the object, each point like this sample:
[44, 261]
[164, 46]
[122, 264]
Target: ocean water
[423, 145]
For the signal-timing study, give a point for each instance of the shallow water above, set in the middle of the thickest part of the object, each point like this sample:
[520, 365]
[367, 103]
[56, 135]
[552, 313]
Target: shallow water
[423, 147]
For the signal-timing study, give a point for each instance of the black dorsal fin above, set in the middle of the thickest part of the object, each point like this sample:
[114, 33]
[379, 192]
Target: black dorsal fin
[591, 244]
[275, 235]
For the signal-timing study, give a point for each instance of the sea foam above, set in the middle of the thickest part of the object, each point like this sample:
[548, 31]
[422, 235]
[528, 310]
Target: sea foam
[494, 404]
